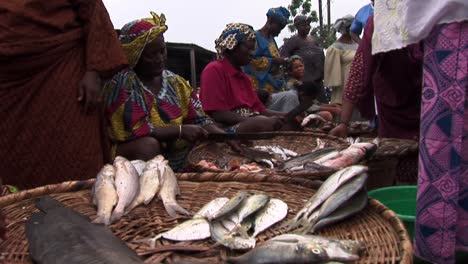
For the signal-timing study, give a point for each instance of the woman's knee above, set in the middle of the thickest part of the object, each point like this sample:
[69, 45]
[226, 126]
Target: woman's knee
[144, 148]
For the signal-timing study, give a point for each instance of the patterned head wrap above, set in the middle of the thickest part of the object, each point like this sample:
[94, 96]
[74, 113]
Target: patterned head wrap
[343, 24]
[232, 35]
[281, 14]
[135, 35]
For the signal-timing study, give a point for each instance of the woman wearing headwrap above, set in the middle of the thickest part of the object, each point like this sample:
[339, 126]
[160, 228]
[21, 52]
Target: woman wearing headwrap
[226, 92]
[339, 58]
[53, 55]
[150, 109]
[264, 68]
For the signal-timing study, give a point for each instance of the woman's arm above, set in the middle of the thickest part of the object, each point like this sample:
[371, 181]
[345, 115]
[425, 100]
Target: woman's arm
[226, 117]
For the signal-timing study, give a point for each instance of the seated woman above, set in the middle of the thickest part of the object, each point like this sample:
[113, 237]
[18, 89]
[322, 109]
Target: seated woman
[226, 92]
[151, 110]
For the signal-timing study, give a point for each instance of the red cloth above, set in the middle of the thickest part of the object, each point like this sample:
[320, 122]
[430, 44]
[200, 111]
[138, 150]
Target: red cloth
[225, 88]
[395, 78]
[45, 49]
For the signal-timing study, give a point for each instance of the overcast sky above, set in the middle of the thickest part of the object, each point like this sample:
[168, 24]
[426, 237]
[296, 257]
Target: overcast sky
[201, 21]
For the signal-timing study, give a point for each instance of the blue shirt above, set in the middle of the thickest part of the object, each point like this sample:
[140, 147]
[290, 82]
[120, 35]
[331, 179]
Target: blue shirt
[360, 20]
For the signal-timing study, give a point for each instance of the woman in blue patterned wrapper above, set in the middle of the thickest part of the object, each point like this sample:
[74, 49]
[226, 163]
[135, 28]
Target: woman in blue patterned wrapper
[264, 69]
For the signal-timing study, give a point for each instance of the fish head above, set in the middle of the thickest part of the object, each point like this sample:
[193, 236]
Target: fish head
[108, 171]
[159, 158]
[353, 246]
[312, 251]
[339, 252]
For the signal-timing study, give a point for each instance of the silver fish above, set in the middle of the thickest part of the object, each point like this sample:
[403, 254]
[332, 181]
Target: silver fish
[326, 189]
[350, 156]
[283, 252]
[340, 196]
[150, 181]
[312, 117]
[139, 165]
[249, 206]
[229, 239]
[274, 211]
[104, 194]
[127, 185]
[169, 191]
[193, 229]
[229, 223]
[211, 208]
[231, 205]
[336, 249]
[353, 206]
[299, 161]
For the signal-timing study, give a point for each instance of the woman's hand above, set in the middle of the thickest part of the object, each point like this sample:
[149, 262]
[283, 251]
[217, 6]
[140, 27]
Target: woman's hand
[340, 130]
[193, 133]
[89, 91]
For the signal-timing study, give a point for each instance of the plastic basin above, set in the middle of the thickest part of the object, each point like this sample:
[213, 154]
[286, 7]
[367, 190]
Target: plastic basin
[401, 200]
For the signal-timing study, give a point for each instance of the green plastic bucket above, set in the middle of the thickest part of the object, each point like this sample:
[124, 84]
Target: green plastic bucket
[401, 200]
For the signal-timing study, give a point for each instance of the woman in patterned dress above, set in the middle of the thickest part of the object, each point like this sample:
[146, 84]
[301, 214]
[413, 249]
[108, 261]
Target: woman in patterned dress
[151, 110]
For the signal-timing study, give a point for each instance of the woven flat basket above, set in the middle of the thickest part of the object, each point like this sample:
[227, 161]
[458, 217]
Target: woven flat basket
[381, 231]
[300, 142]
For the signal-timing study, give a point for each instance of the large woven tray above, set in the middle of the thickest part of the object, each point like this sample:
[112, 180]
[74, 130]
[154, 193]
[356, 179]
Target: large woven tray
[379, 228]
[300, 142]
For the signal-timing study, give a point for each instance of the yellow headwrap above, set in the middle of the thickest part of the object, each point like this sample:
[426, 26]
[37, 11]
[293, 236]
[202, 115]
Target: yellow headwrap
[135, 35]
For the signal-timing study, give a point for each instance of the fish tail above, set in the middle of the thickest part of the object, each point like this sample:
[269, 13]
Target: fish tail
[240, 230]
[173, 208]
[116, 215]
[102, 219]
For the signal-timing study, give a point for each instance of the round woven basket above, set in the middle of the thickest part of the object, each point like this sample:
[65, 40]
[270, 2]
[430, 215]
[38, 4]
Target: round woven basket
[300, 142]
[381, 231]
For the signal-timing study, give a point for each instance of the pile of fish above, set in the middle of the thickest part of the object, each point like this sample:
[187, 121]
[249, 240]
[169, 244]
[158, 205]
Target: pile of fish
[291, 248]
[343, 194]
[329, 158]
[121, 187]
[233, 223]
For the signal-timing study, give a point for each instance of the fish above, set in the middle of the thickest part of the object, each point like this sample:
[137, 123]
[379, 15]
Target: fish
[336, 249]
[57, 234]
[229, 239]
[192, 229]
[327, 188]
[353, 206]
[249, 206]
[350, 156]
[283, 252]
[340, 196]
[312, 117]
[127, 186]
[209, 209]
[104, 194]
[279, 153]
[230, 224]
[299, 161]
[231, 205]
[139, 165]
[169, 191]
[150, 181]
[274, 211]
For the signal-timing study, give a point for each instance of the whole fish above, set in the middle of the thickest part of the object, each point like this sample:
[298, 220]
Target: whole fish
[169, 191]
[283, 252]
[336, 249]
[249, 206]
[104, 194]
[339, 197]
[150, 181]
[127, 185]
[230, 206]
[58, 234]
[229, 239]
[353, 206]
[274, 211]
[211, 208]
[193, 229]
[139, 165]
[327, 188]
[312, 117]
[350, 156]
[299, 161]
